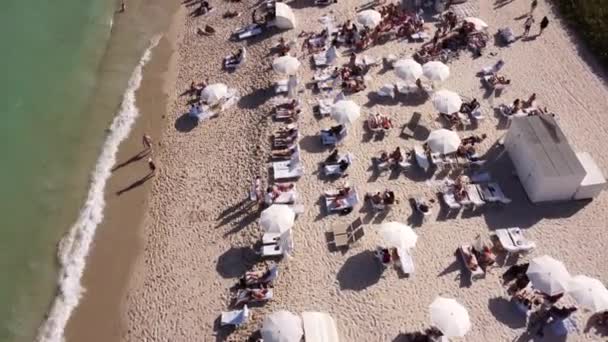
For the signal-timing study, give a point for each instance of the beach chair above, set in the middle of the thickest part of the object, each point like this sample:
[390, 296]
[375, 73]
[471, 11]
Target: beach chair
[346, 235]
[283, 114]
[405, 262]
[466, 251]
[513, 241]
[327, 138]
[235, 317]
[491, 192]
[387, 90]
[281, 86]
[252, 279]
[324, 106]
[474, 196]
[231, 63]
[287, 169]
[244, 297]
[409, 129]
[450, 200]
[325, 58]
[421, 158]
[247, 32]
[334, 169]
[348, 203]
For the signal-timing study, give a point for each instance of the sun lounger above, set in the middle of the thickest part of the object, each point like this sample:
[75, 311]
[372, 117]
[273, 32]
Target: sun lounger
[285, 114]
[324, 106]
[334, 169]
[492, 69]
[450, 200]
[349, 202]
[345, 235]
[268, 251]
[466, 250]
[243, 297]
[387, 90]
[329, 139]
[281, 86]
[250, 279]
[235, 317]
[513, 241]
[406, 88]
[230, 63]
[248, 31]
[474, 196]
[421, 158]
[365, 61]
[491, 192]
[287, 169]
[325, 58]
[406, 262]
[409, 129]
[270, 238]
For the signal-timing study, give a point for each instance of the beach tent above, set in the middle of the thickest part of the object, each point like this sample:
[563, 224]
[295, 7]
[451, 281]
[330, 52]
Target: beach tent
[548, 275]
[546, 164]
[285, 18]
[319, 327]
[589, 293]
[450, 317]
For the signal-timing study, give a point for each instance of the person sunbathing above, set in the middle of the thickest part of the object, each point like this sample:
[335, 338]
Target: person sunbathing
[385, 122]
[286, 134]
[336, 130]
[486, 257]
[496, 80]
[388, 197]
[470, 260]
[469, 107]
[284, 153]
[283, 47]
[473, 139]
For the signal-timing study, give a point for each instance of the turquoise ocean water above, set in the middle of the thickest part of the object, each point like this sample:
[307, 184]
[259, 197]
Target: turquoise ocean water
[64, 73]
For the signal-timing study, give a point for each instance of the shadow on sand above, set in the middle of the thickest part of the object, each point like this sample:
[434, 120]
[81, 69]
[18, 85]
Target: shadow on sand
[359, 272]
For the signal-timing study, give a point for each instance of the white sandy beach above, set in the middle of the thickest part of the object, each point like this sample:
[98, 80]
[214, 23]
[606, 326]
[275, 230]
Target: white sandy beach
[199, 226]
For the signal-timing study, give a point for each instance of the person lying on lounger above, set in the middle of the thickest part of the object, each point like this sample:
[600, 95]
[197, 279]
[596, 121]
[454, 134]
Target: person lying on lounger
[235, 58]
[396, 156]
[470, 260]
[469, 107]
[291, 105]
[332, 158]
[486, 257]
[474, 139]
[496, 80]
[285, 153]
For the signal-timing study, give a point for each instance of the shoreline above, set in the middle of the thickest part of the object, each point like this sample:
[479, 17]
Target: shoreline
[119, 240]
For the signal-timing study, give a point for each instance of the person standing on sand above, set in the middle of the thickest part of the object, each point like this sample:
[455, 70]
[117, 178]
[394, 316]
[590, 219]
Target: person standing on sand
[528, 25]
[146, 140]
[151, 165]
[543, 25]
[123, 7]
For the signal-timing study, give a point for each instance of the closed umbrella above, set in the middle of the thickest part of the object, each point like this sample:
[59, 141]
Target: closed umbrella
[345, 112]
[277, 218]
[282, 326]
[548, 275]
[443, 141]
[213, 93]
[408, 69]
[450, 317]
[436, 71]
[479, 24]
[589, 292]
[286, 65]
[369, 18]
[447, 102]
[398, 235]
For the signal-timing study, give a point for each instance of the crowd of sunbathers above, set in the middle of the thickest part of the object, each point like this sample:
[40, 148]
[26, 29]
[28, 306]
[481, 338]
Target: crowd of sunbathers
[527, 107]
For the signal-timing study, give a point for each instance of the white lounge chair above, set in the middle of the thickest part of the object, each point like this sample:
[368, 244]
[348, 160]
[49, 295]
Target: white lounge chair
[328, 138]
[270, 251]
[491, 192]
[230, 63]
[450, 200]
[406, 262]
[474, 196]
[287, 169]
[324, 106]
[513, 241]
[242, 297]
[334, 169]
[282, 86]
[489, 70]
[465, 250]
[387, 90]
[248, 31]
[350, 202]
[235, 317]
[420, 36]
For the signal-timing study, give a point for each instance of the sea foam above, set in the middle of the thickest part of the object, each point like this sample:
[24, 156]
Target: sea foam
[75, 245]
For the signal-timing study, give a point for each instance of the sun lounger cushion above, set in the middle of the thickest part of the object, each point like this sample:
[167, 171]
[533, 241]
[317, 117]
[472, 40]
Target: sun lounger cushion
[235, 317]
[287, 169]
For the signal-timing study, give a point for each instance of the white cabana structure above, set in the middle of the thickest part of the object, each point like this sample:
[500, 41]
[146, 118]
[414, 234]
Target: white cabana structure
[319, 327]
[285, 18]
[546, 164]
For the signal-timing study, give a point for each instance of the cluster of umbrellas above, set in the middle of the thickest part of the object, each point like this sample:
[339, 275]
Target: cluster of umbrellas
[551, 277]
[410, 70]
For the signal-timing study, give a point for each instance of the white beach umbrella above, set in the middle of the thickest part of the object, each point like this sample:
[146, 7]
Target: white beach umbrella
[450, 317]
[369, 18]
[398, 235]
[285, 19]
[345, 112]
[548, 275]
[479, 24]
[213, 93]
[277, 218]
[443, 141]
[282, 326]
[286, 65]
[447, 102]
[408, 69]
[589, 292]
[436, 71]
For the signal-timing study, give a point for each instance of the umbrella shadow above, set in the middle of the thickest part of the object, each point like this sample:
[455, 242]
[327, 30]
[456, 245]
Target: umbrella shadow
[233, 263]
[506, 313]
[359, 272]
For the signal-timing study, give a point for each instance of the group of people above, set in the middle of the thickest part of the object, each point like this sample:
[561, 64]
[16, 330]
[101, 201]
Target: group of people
[475, 259]
[387, 197]
[394, 157]
[379, 122]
